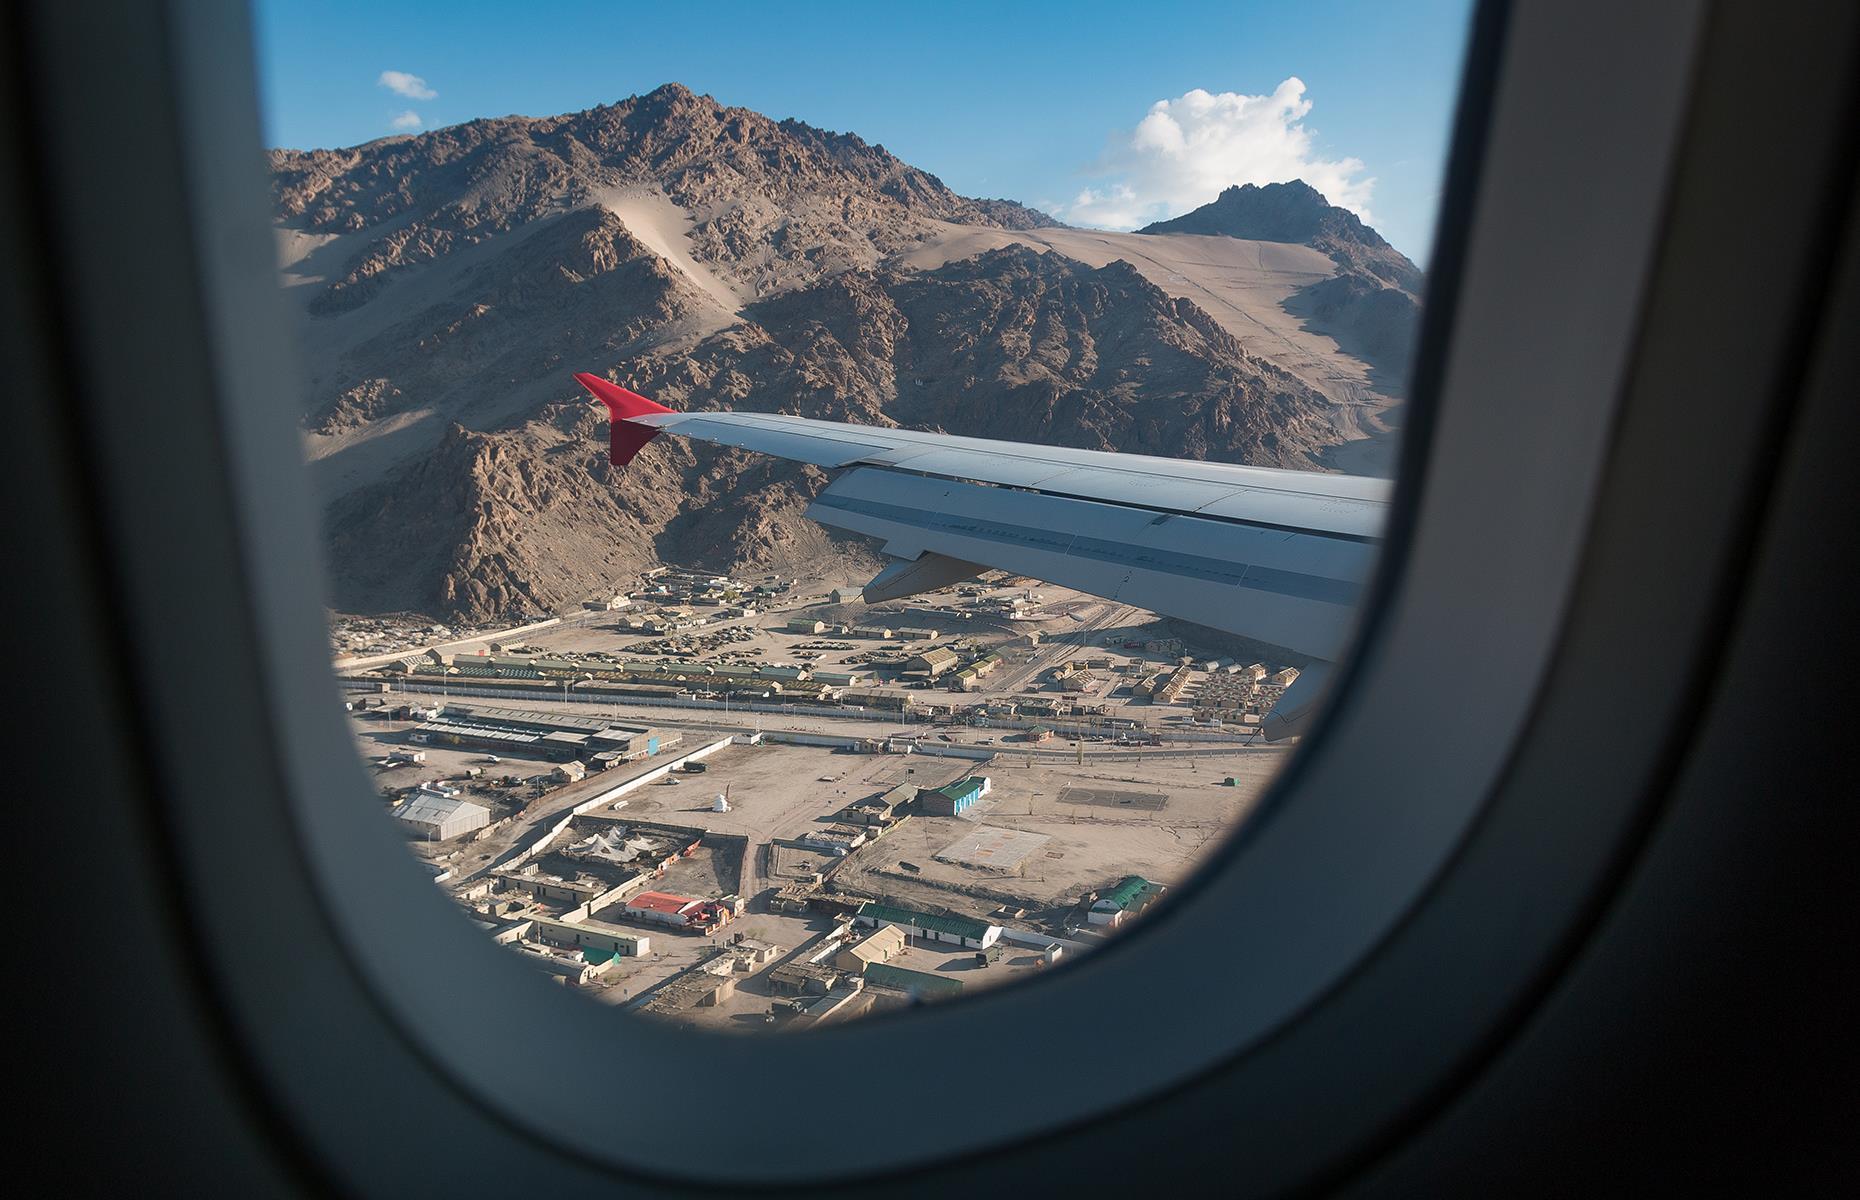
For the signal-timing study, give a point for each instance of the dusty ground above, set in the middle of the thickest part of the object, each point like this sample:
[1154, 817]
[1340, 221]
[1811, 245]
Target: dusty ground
[1091, 846]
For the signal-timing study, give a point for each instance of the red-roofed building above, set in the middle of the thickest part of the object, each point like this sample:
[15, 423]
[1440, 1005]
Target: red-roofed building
[661, 906]
[680, 911]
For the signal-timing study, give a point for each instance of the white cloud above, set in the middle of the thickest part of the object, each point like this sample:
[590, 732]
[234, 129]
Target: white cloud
[403, 84]
[1116, 206]
[1186, 150]
[407, 120]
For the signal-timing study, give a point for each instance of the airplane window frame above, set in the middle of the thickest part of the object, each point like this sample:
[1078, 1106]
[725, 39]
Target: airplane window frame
[374, 904]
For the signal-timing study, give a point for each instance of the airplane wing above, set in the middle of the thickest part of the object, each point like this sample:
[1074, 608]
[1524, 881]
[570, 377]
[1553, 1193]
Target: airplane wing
[1279, 557]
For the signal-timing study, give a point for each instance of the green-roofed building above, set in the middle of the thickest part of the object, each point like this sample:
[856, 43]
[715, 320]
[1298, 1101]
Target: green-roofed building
[921, 985]
[1131, 896]
[967, 932]
[954, 799]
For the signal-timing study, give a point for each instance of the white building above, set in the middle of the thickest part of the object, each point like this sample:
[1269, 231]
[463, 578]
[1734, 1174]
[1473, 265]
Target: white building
[967, 932]
[438, 818]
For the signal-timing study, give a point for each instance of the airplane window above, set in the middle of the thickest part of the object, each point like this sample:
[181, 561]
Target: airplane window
[811, 542]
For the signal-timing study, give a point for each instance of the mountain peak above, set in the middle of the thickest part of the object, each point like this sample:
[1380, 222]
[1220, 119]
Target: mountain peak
[672, 99]
[1293, 211]
[1292, 191]
[1296, 212]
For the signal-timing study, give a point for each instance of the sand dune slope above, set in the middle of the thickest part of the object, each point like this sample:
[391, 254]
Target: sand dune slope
[1242, 284]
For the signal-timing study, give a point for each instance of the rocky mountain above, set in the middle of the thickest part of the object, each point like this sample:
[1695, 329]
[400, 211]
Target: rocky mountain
[1372, 304]
[449, 285]
[1013, 344]
[777, 202]
[1297, 212]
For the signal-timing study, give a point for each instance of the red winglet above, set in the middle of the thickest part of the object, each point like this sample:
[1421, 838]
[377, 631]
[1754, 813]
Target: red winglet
[625, 439]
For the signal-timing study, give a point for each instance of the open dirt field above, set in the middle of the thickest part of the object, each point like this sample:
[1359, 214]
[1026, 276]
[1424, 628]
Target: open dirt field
[1184, 811]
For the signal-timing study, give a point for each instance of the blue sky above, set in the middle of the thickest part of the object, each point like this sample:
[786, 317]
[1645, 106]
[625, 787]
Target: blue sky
[1050, 104]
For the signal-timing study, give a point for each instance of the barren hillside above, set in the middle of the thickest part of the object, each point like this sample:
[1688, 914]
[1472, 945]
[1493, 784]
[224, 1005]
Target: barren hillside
[450, 284]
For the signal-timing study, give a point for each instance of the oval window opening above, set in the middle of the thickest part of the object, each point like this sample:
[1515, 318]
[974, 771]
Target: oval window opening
[775, 581]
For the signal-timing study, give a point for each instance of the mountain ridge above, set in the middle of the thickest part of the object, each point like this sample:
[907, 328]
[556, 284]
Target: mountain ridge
[450, 283]
[467, 183]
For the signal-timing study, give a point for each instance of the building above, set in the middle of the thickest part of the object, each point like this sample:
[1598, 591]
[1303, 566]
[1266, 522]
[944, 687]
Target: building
[954, 799]
[887, 700]
[1131, 896]
[881, 809]
[679, 912]
[970, 678]
[918, 985]
[967, 932]
[662, 907]
[917, 635]
[881, 945]
[568, 967]
[793, 897]
[837, 840]
[535, 734]
[594, 938]
[847, 595]
[438, 818]
[704, 986]
[797, 978]
[1171, 689]
[806, 625]
[813, 1010]
[745, 954]
[554, 889]
[932, 663]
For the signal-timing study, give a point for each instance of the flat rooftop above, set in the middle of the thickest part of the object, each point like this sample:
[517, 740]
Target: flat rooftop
[989, 848]
[530, 716]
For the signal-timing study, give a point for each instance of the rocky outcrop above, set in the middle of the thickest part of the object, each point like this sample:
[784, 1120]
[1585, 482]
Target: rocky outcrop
[524, 521]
